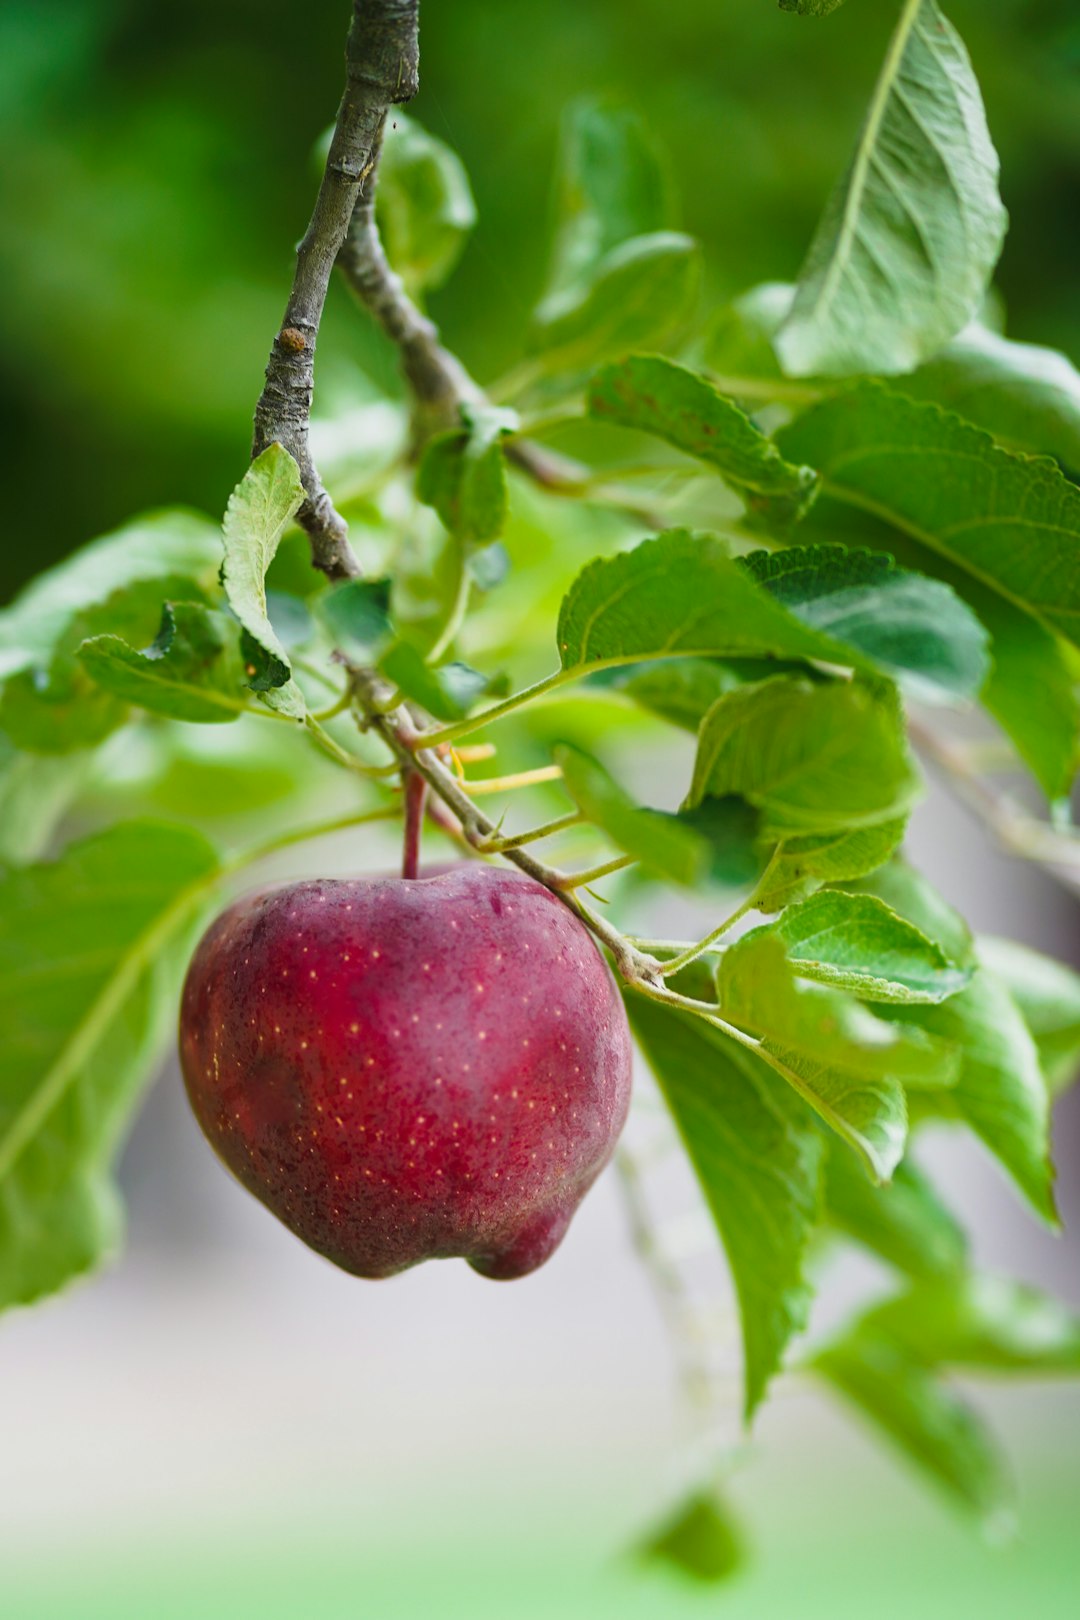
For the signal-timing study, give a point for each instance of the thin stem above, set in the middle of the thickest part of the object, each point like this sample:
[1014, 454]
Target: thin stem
[382, 68]
[692, 952]
[668, 1283]
[455, 618]
[398, 731]
[334, 710]
[580, 880]
[416, 792]
[341, 756]
[502, 846]
[476, 722]
[300, 835]
[507, 784]
[1057, 852]
[561, 475]
[314, 671]
[474, 753]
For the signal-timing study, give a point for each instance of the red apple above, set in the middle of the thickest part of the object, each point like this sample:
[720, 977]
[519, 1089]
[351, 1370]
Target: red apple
[409, 1069]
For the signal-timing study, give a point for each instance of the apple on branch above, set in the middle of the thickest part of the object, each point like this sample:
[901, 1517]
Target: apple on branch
[409, 1069]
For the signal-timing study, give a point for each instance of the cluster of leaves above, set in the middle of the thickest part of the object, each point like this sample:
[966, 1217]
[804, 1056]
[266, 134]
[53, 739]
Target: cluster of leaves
[863, 499]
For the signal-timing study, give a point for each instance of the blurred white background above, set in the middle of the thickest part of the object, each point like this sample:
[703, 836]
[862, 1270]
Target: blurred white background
[222, 1390]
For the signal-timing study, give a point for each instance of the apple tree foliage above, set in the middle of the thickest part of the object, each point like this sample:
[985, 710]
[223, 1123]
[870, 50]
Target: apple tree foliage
[774, 543]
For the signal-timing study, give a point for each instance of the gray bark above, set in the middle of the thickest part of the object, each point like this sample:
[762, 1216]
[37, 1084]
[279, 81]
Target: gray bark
[382, 69]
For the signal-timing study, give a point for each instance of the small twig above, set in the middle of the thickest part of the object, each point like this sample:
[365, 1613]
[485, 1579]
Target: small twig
[398, 730]
[668, 1282]
[507, 784]
[580, 880]
[382, 68]
[1018, 832]
[692, 952]
[439, 382]
[416, 792]
[501, 846]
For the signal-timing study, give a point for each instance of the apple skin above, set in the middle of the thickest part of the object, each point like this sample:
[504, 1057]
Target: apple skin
[409, 1069]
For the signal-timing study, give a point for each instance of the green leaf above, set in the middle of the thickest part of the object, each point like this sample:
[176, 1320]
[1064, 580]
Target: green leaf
[678, 594]
[89, 967]
[934, 1429]
[717, 841]
[463, 475]
[161, 545]
[638, 295]
[357, 617]
[1005, 528]
[287, 700]
[907, 892]
[1025, 656]
[979, 1323]
[59, 712]
[35, 793]
[812, 758]
[656, 396]
[855, 942]
[1026, 396]
[612, 184]
[739, 340]
[192, 671]
[1048, 996]
[730, 828]
[661, 842]
[1000, 1092]
[915, 629]
[908, 242]
[424, 205]
[700, 1539]
[1011, 522]
[801, 865]
[1029, 658]
[757, 1155]
[59, 709]
[845, 1062]
[447, 691]
[682, 594]
[905, 1223]
[679, 690]
[260, 509]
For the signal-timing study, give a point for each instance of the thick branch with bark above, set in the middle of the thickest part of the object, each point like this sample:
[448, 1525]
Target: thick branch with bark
[382, 69]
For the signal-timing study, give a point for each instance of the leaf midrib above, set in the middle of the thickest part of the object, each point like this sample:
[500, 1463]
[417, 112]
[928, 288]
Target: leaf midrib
[82, 1040]
[849, 496]
[883, 90]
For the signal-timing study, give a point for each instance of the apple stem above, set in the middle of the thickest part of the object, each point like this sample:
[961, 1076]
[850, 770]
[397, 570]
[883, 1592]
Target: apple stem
[416, 790]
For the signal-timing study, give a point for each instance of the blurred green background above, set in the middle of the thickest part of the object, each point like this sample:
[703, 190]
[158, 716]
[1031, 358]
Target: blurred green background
[157, 171]
[219, 1427]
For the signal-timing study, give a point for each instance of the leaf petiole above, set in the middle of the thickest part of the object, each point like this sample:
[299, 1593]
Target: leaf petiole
[507, 784]
[580, 880]
[692, 953]
[476, 722]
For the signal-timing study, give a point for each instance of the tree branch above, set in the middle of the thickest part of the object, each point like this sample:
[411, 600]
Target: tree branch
[382, 68]
[397, 729]
[1010, 826]
[439, 382]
